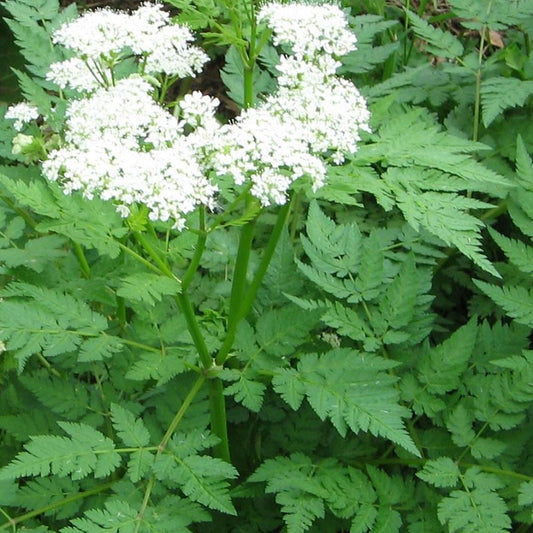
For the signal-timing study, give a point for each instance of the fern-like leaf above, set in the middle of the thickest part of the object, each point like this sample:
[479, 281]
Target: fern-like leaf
[499, 94]
[52, 322]
[517, 252]
[147, 287]
[438, 42]
[442, 367]
[516, 301]
[446, 216]
[478, 508]
[85, 451]
[202, 478]
[350, 389]
[368, 55]
[304, 489]
[440, 472]
[118, 516]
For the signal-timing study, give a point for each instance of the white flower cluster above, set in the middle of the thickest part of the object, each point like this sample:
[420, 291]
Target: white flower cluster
[122, 146]
[313, 116]
[100, 38]
[22, 113]
[311, 31]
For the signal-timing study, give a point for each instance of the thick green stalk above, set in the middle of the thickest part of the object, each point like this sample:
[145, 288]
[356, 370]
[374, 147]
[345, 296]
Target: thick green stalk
[194, 329]
[251, 293]
[219, 425]
[238, 288]
[250, 63]
[154, 255]
[245, 298]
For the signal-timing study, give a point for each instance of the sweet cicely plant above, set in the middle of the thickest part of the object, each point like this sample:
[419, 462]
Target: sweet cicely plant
[227, 289]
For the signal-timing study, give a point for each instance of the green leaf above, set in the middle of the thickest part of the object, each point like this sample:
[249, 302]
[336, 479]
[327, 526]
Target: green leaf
[232, 76]
[201, 478]
[369, 54]
[36, 253]
[350, 389]
[118, 516]
[245, 390]
[446, 216]
[516, 301]
[517, 252]
[441, 369]
[479, 508]
[499, 93]
[36, 319]
[147, 287]
[279, 334]
[34, 93]
[525, 494]
[131, 430]
[304, 488]
[524, 164]
[85, 451]
[442, 472]
[160, 366]
[497, 15]
[398, 303]
[438, 42]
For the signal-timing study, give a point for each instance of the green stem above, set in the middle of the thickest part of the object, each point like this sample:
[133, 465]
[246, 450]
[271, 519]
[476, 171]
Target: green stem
[219, 427]
[245, 299]
[194, 329]
[250, 63]
[78, 496]
[477, 101]
[139, 258]
[219, 220]
[80, 254]
[265, 260]
[48, 366]
[238, 288]
[164, 442]
[121, 312]
[21, 212]
[182, 300]
[162, 265]
[180, 414]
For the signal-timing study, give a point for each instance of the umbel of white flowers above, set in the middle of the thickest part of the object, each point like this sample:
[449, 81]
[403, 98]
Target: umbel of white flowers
[120, 145]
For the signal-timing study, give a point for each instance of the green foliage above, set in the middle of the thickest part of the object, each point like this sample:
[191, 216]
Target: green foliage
[86, 451]
[381, 378]
[350, 389]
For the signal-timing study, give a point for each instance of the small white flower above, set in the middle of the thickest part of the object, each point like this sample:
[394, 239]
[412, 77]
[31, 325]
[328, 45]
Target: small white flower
[309, 30]
[75, 73]
[22, 113]
[197, 109]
